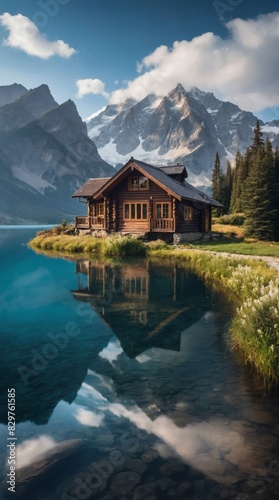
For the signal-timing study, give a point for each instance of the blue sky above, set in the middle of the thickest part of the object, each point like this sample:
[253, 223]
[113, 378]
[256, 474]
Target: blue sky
[99, 51]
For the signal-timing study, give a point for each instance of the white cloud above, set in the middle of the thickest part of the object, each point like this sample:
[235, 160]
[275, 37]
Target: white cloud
[153, 59]
[24, 35]
[91, 86]
[243, 68]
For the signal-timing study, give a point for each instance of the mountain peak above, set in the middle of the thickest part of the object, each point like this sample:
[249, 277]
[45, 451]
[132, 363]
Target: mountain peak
[183, 126]
[179, 88]
[38, 100]
[45, 155]
[10, 93]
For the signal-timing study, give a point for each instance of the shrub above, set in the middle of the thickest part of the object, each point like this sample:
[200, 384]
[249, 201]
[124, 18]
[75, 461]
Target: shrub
[124, 247]
[63, 224]
[231, 219]
[156, 245]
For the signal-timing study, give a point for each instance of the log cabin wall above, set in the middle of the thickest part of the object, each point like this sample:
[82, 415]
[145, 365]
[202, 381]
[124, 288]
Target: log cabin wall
[122, 194]
[196, 224]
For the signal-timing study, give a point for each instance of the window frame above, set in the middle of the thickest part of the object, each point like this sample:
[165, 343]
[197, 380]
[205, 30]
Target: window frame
[134, 211]
[98, 205]
[138, 187]
[188, 213]
[162, 203]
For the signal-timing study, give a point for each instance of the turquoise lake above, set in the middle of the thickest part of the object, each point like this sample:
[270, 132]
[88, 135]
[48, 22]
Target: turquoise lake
[125, 384]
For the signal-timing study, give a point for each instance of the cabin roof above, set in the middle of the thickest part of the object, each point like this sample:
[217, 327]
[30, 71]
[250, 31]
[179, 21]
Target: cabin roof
[182, 191]
[175, 170]
[90, 187]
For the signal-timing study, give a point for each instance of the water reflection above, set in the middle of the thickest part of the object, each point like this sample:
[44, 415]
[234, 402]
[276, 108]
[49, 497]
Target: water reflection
[146, 400]
[145, 304]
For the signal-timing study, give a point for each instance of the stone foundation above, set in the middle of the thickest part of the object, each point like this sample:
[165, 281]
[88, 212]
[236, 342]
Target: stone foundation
[100, 233]
[180, 237]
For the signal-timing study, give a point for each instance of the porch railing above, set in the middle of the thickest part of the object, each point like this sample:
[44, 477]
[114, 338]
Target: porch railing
[90, 222]
[162, 225]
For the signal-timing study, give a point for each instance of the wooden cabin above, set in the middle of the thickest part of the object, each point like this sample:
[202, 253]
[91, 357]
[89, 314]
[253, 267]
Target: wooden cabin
[141, 198]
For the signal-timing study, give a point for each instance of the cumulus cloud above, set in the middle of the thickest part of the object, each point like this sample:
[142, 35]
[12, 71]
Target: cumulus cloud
[91, 86]
[24, 35]
[243, 68]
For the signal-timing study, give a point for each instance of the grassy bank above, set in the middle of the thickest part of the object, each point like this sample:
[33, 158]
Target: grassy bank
[254, 288]
[250, 284]
[104, 247]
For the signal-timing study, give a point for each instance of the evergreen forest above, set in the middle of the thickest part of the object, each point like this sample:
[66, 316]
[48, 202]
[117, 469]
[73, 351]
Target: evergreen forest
[251, 187]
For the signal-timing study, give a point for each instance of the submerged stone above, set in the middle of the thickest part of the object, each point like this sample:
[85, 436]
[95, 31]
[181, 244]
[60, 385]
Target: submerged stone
[149, 455]
[125, 482]
[136, 465]
[171, 467]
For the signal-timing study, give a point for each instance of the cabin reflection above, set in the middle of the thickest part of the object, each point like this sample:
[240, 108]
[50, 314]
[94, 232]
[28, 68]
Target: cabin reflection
[145, 304]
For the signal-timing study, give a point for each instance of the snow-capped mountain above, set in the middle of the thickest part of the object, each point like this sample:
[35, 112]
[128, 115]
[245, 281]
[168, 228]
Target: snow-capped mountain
[45, 155]
[185, 127]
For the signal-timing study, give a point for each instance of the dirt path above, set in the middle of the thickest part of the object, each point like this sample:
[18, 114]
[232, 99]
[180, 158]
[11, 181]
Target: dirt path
[272, 262]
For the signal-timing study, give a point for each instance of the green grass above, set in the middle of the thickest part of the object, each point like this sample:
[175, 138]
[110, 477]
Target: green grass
[238, 246]
[48, 241]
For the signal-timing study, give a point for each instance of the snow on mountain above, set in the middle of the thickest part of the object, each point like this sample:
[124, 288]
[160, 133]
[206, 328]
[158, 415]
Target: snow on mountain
[272, 131]
[184, 127]
[45, 155]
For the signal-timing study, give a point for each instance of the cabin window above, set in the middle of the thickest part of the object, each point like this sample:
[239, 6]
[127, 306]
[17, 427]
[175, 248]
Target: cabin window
[162, 210]
[126, 211]
[188, 213]
[143, 182]
[100, 209]
[134, 183]
[137, 183]
[135, 211]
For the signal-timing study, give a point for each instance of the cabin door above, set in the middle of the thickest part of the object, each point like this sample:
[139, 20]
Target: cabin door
[206, 220]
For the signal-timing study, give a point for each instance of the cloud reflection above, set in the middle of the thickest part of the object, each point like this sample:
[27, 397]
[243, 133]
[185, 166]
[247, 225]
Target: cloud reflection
[201, 445]
[111, 352]
[28, 451]
[86, 417]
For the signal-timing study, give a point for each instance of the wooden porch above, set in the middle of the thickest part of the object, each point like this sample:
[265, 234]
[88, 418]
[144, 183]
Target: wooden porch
[85, 222]
[161, 225]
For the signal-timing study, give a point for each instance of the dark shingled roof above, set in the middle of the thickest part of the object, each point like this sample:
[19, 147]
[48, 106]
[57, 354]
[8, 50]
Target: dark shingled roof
[90, 187]
[182, 190]
[185, 190]
[175, 170]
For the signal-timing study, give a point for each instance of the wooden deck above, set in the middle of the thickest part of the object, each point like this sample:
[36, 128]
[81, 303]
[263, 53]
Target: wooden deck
[156, 225]
[90, 222]
[162, 225]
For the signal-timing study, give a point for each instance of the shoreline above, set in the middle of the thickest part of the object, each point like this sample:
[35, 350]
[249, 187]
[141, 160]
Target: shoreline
[251, 283]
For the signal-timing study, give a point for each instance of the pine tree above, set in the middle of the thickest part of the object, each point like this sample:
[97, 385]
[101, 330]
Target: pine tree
[258, 142]
[260, 193]
[217, 184]
[243, 166]
[276, 189]
[238, 182]
[227, 188]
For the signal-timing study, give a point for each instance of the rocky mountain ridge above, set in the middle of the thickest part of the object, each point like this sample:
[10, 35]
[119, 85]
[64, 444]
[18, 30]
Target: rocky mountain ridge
[45, 155]
[185, 127]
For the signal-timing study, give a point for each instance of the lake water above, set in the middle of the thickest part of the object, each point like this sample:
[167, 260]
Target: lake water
[125, 384]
